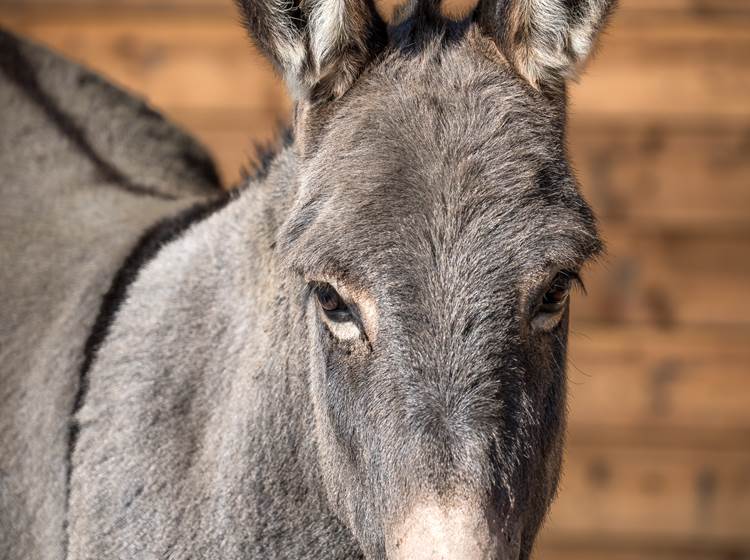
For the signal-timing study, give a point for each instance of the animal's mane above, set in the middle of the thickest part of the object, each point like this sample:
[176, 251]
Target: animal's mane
[263, 154]
[414, 25]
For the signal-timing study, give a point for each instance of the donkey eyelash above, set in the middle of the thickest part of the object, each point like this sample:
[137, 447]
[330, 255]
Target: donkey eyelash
[576, 281]
[553, 298]
[573, 276]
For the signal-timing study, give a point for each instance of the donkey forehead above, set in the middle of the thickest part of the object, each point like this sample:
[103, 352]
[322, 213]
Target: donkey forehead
[384, 234]
[440, 157]
[472, 166]
[462, 227]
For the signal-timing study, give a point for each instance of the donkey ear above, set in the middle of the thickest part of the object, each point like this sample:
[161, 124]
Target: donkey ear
[319, 46]
[547, 41]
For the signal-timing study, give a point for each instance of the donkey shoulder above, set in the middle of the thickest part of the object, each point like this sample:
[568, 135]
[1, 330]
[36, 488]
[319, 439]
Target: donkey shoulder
[85, 170]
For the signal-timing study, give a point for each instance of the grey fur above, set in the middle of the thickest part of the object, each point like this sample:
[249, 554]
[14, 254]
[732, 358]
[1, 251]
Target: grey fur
[67, 221]
[320, 46]
[547, 41]
[221, 416]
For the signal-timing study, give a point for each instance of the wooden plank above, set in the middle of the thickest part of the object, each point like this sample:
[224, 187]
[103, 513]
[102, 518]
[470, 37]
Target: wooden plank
[668, 279]
[681, 386]
[665, 496]
[659, 174]
[696, 8]
[679, 67]
[225, 6]
[620, 551]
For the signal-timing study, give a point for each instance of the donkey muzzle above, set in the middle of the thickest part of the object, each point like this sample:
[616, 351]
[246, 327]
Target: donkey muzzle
[460, 530]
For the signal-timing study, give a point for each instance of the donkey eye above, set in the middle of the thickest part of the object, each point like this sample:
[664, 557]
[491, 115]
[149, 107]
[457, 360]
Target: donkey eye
[553, 302]
[558, 293]
[329, 299]
[332, 303]
[341, 321]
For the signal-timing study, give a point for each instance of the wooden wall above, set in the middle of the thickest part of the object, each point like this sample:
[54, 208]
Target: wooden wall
[658, 463]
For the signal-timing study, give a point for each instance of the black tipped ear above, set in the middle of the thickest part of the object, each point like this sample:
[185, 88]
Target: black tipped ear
[319, 46]
[547, 41]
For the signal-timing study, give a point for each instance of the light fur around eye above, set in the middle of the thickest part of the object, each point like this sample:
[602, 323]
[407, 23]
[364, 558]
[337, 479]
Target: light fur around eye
[340, 319]
[547, 321]
[346, 331]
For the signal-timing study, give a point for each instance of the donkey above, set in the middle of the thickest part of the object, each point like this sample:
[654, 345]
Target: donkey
[361, 352]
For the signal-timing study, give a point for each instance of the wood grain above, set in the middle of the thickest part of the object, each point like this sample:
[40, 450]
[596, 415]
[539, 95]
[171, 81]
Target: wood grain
[628, 551]
[670, 66]
[639, 384]
[664, 495]
[662, 174]
[668, 278]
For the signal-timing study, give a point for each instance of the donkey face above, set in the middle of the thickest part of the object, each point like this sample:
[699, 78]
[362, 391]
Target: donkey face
[437, 231]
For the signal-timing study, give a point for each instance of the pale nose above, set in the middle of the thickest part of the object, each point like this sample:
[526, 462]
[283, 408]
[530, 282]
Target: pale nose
[459, 530]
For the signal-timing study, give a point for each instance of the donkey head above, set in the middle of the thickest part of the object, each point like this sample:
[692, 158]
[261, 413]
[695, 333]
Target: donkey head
[436, 233]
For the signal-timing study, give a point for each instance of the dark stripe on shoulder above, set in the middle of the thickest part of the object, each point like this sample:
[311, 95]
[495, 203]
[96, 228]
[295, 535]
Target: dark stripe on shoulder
[147, 247]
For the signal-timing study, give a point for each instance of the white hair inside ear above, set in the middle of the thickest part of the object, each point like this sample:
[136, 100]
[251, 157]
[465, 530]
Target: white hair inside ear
[319, 46]
[328, 29]
[548, 41]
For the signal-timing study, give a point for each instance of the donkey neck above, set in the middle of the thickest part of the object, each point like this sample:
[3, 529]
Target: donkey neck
[196, 430]
[268, 406]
